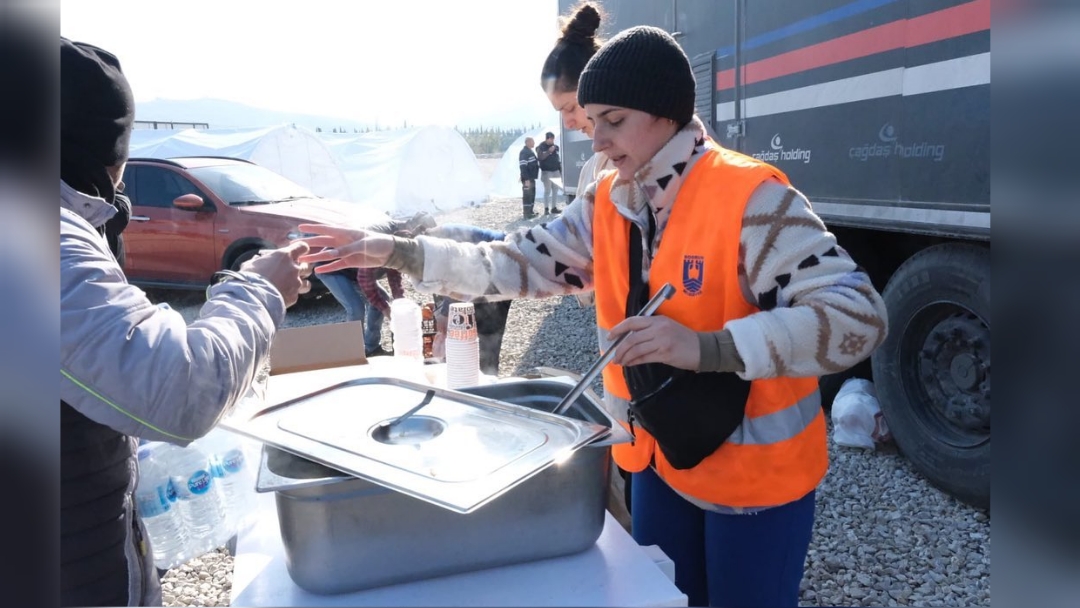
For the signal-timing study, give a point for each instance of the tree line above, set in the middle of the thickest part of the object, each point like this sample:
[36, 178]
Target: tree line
[353, 129]
[493, 140]
[482, 140]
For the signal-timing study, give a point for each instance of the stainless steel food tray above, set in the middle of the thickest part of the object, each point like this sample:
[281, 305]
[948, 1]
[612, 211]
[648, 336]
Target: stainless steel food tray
[459, 452]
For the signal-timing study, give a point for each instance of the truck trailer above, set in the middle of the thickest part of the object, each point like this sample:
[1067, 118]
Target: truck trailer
[878, 111]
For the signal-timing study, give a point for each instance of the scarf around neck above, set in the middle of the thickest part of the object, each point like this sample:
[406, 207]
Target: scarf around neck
[655, 186]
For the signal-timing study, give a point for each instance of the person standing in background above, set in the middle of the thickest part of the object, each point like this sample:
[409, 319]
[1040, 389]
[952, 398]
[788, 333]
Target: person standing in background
[559, 77]
[530, 170]
[367, 281]
[348, 288]
[550, 169]
[358, 292]
[577, 43]
[490, 316]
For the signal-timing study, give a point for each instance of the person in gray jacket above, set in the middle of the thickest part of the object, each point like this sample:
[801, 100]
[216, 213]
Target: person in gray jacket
[130, 369]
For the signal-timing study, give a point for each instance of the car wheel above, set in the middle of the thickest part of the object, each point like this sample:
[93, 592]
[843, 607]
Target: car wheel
[243, 257]
[317, 287]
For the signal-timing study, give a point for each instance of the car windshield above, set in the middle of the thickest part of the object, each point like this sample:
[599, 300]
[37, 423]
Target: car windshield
[244, 184]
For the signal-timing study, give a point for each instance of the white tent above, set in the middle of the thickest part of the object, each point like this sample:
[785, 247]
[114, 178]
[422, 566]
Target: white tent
[293, 152]
[408, 170]
[506, 180]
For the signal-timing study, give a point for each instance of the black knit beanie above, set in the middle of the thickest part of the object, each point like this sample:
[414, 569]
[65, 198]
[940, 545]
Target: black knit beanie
[97, 112]
[641, 68]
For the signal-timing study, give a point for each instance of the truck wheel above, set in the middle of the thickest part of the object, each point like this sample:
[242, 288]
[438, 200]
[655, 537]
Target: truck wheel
[932, 373]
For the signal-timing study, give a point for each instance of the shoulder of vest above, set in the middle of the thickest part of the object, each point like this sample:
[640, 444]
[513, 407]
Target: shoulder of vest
[720, 157]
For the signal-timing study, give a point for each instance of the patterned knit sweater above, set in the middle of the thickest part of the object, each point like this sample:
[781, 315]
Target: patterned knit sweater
[819, 312]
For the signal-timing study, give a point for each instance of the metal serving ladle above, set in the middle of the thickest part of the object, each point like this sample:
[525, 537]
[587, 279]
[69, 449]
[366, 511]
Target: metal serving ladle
[665, 293]
[383, 430]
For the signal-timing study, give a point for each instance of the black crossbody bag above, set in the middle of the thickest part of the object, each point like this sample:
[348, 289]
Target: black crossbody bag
[690, 414]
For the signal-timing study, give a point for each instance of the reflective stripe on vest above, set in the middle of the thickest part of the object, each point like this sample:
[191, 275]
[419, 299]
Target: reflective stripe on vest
[778, 453]
[770, 428]
[780, 425]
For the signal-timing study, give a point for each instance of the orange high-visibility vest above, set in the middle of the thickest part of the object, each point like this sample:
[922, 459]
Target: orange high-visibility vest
[779, 453]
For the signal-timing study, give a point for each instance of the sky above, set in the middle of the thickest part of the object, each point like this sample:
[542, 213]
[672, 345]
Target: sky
[463, 62]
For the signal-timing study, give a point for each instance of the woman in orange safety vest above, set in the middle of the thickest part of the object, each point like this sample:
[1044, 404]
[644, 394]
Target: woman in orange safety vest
[719, 386]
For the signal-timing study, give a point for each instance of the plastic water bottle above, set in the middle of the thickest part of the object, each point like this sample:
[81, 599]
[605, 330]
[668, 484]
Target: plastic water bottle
[233, 471]
[159, 514]
[200, 498]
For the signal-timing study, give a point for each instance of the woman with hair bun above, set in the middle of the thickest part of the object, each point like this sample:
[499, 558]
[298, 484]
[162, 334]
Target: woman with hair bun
[576, 45]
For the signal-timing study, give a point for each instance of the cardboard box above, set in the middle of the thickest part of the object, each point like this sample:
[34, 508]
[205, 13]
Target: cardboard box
[301, 349]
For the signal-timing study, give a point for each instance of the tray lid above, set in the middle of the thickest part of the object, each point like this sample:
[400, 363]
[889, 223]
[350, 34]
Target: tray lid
[459, 451]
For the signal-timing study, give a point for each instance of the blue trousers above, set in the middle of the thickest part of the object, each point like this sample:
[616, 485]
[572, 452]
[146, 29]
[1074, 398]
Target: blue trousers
[734, 561]
[347, 292]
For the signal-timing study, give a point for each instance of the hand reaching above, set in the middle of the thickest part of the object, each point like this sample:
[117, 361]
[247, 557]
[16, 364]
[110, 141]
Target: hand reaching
[345, 247]
[284, 269]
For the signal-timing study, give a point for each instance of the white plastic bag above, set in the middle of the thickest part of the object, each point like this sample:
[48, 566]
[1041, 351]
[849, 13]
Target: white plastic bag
[856, 415]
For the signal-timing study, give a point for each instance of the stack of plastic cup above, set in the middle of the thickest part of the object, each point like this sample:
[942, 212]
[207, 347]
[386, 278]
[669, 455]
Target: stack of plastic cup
[462, 347]
[405, 319]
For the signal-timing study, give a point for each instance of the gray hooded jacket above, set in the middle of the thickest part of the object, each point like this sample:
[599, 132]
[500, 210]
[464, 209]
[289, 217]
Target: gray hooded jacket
[142, 370]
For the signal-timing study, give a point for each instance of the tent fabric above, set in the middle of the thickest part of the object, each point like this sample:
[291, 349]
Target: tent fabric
[293, 152]
[506, 179]
[404, 171]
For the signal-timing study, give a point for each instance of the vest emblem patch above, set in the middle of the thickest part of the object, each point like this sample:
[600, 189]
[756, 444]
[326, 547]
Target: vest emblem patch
[693, 274]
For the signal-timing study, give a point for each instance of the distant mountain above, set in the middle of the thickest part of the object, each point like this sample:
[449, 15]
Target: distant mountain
[219, 113]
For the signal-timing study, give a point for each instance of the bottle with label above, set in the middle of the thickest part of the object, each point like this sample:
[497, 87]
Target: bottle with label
[427, 327]
[199, 497]
[160, 515]
[230, 467]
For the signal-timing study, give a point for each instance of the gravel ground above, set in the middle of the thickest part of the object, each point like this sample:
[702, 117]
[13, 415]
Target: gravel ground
[883, 536]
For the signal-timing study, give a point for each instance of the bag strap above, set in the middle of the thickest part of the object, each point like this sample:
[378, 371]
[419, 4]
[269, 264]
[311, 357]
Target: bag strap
[633, 295]
[638, 294]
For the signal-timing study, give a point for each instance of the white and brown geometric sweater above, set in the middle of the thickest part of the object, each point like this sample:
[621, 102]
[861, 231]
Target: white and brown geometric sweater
[819, 312]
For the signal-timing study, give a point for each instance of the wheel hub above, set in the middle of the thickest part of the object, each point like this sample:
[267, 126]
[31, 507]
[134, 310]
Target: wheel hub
[965, 371]
[955, 367]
